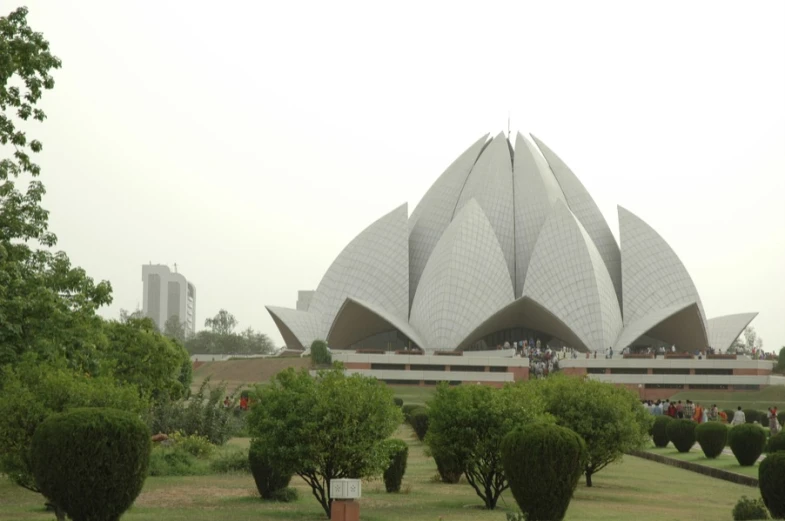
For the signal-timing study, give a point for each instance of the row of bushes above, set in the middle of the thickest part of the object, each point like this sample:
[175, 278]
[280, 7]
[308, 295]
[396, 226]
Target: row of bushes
[747, 441]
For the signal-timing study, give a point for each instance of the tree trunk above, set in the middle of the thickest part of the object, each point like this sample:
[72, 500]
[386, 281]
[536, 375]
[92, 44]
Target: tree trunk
[588, 477]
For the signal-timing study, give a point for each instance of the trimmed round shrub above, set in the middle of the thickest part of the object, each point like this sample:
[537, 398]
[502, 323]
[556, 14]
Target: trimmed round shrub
[398, 401]
[91, 463]
[749, 510]
[747, 442]
[399, 454]
[729, 413]
[450, 469]
[753, 415]
[776, 443]
[543, 463]
[270, 476]
[419, 423]
[771, 476]
[659, 431]
[408, 409]
[781, 417]
[682, 434]
[712, 437]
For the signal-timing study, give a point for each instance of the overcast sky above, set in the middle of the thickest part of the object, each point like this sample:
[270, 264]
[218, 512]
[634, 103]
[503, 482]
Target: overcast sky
[249, 142]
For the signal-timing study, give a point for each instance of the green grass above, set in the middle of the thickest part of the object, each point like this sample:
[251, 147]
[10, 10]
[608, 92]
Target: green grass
[758, 400]
[636, 489]
[414, 393]
[723, 461]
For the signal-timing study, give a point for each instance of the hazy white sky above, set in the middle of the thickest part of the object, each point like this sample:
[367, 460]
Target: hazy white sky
[251, 141]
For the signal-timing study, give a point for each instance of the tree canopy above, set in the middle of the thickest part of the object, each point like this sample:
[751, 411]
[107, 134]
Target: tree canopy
[610, 419]
[222, 339]
[328, 427]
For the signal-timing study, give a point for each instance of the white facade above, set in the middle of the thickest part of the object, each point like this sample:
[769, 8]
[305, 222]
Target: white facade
[166, 294]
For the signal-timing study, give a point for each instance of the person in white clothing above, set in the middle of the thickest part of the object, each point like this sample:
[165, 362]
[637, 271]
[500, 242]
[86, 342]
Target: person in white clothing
[738, 417]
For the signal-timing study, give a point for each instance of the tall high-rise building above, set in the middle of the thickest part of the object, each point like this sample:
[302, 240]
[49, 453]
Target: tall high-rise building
[167, 294]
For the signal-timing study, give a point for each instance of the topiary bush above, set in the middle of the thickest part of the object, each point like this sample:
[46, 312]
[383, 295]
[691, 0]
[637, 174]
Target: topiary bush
[682, 434]
[749, 510]
[399, 453]
[450, 470]
[398, 401]
[658, 431]
[419, 423]
[771, 476]
[753, 415]
[408, 409]
[747, 442]
[91, 463]
[776, 443]
[543, 463]
[729, 413]
[270, 476]
[320, 354]
[712, 437]
[781, 417]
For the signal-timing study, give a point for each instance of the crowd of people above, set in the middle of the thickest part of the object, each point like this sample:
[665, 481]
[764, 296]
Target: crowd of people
[699, 414]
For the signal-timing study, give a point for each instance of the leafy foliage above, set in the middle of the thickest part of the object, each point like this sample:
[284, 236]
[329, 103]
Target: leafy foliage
[771, 476]
[658, 431]
[776, 443]
[203, 413]
[712, 437]
[327, 427]
[91, 463]
[398, 401]
[467, 424]
[269, 474]
[753, 415]
[450, 468]
[193, 444]
[407, 410]
[248, 342]
[320, 355]
[543, 464]
[32, 391]
[747, 442]
[235, 460]
[747, 509]
[682, 434]
[399, 453]
[610, 419]
[419, 422]
[175, 461]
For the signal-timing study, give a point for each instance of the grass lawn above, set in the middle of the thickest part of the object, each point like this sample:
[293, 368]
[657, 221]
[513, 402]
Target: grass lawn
[758, 400]
[723, 461]
[636, 489]
[414, 393]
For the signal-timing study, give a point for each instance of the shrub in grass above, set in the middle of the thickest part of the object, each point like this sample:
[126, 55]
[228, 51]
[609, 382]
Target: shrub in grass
[450, 470]
[408, 409]
[749, 510]
[174, 461]
[658, 431]
[399, 453]
[771, 476]
[231, 461]
[712, 437]
[682, 434]
[194, 444]
[753, 415]
[269, 475]
[91, 463]
[419, 423]
[398, 401]
[747, 442]
[543, 463]
[776, 443]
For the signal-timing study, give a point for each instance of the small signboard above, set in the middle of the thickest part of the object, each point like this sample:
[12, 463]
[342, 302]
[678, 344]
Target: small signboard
[345, 488]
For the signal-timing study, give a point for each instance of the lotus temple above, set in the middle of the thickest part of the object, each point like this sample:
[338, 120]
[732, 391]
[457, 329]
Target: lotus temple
[508, 245]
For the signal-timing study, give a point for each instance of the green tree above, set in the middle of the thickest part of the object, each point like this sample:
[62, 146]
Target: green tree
[46, 305]
[32, 391]
[610, 419]
[257, 343]
[175, 329]
[223, 323]
[780, 368]
[320, 354]
[328, 427]
[140, 356]
[468, 423]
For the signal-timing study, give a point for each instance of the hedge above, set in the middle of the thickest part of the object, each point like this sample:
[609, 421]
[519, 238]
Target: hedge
[398, 401]
[408, 409]
[753, 415]
[419, 422]
[771, 476]
[682, 434]
[91, 463]
[712, 437]
[270, 476]
[450, 469]
[747, 442]
[543, 463]
[776, 443]
[659, 431]
[399, 453]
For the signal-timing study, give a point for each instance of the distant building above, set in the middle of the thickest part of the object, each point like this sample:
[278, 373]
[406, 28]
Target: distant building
[304, 299]
[168, 294]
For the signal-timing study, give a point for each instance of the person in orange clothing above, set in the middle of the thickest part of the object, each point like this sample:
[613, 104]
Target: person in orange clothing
[698, 416]
[723, 416]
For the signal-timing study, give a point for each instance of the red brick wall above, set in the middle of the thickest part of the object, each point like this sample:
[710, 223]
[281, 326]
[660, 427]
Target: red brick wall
[519, 373]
